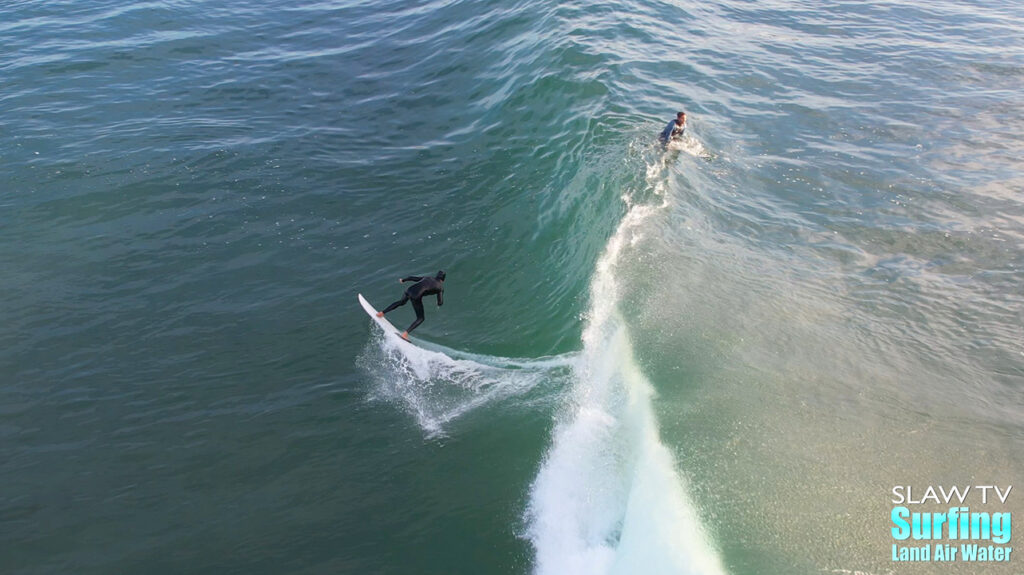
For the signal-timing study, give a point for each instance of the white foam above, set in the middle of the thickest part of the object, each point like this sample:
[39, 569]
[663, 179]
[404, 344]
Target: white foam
[438, 385]
[608, 498]
[691, 146]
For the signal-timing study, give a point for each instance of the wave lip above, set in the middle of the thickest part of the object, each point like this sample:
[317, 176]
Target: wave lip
[608, 498]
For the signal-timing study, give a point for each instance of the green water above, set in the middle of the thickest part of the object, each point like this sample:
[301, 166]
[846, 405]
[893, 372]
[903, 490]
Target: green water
[718, 359]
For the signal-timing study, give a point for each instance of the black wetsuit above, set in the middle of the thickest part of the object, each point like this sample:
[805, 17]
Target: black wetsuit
[423, 287]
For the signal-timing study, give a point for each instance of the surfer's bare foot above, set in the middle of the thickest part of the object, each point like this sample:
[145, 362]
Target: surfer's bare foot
[405, 335]
[380, 314]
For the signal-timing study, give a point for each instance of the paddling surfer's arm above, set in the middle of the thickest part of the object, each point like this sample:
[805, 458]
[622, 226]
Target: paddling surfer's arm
[440, 298]
[410, 279]
[666, 134]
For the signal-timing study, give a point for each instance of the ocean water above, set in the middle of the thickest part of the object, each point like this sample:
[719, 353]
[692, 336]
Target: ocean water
[716, 359]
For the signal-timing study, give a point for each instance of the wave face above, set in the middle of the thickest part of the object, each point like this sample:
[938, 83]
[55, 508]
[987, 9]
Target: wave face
[608, 497]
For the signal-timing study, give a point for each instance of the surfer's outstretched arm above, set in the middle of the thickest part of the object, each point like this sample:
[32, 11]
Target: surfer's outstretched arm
[410, 279]
[440, 298]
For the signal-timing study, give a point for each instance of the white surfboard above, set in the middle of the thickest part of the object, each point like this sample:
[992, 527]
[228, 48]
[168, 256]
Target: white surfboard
[382, 322]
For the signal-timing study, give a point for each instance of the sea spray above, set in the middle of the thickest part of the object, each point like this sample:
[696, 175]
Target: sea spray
[438, 385]
[607, 498]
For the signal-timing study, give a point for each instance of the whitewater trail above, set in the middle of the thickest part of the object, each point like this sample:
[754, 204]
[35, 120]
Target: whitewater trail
[437, 385]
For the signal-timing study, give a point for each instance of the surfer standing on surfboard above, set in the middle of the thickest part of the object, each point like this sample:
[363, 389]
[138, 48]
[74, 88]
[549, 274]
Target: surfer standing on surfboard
[423, 287]
[674, 130]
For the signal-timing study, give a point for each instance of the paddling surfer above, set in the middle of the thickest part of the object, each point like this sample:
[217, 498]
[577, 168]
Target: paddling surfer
[674, 130]
[423, 287]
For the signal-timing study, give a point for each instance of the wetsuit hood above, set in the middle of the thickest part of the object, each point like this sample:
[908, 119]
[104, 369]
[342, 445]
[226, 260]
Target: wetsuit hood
[440, 275]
